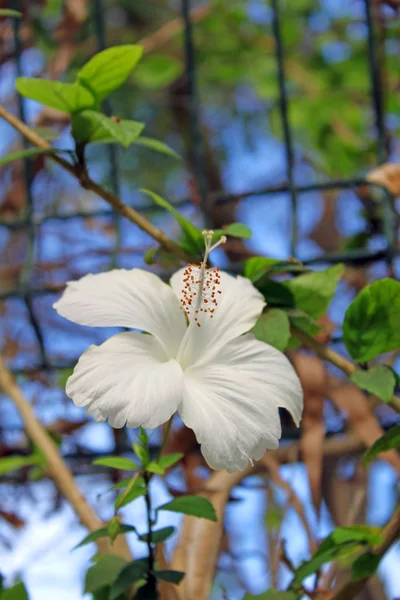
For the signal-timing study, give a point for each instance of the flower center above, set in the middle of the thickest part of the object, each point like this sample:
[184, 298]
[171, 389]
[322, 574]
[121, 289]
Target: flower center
[201, 285]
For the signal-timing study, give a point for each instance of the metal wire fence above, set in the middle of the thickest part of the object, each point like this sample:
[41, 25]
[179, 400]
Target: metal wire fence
[31, 222]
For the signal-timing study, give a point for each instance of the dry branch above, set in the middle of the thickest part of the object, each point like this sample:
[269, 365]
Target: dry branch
[56, 466]
[331, 356]
[125, 211]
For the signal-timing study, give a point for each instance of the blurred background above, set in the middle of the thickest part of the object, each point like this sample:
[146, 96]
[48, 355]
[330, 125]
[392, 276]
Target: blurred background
[283, 113]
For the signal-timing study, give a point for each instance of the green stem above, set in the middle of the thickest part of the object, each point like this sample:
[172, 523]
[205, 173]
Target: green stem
[151, 580]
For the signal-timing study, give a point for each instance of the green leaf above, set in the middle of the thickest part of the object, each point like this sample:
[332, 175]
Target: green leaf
[357, 533]
[193, 239]
[378, 380]
[365, 565]
[90, 126]
[143, 437]
[131, 573]
[104, 572]
[12, 463]
[159, 535]
[257, 267]
[114, 528]
[17, 592]
[167, 460]
[109, 69]
[142, 453]
[155, 468]
[135, 489]
[276, 294]
[157, 146]
[390, 440]
[116, 462]
[171, 576]
[273, 594]
[157, 71]
[372, 321]
[273, 328]
[196, 506]
[238, 230]
[314, 291]
[67, 97]
[27, 153]
[7, 12]
[327, 552]
[104, 532]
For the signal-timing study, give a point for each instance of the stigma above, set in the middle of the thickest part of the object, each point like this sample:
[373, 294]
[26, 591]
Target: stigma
[201, 285]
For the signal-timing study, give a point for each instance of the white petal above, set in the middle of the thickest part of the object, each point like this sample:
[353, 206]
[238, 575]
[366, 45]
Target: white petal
[128, 380]
[239, 306]
[120, 298]
[232, 402]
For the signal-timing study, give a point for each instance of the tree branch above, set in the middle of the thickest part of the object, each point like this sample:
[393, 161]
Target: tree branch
[126, 211]
[334, 358]
[56, 466]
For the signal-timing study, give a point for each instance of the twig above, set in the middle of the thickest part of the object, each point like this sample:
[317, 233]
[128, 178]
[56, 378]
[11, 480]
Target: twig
[56, 466]
[126, 211]
[390, 533]
[333, 357]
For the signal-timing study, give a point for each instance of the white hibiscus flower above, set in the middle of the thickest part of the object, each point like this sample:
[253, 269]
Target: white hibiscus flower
[226, 386]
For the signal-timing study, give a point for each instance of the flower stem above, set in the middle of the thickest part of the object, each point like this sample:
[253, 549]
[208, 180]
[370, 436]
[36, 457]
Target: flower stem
[151, 580]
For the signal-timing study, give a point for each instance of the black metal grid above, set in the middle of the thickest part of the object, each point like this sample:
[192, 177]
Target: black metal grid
[27, 292]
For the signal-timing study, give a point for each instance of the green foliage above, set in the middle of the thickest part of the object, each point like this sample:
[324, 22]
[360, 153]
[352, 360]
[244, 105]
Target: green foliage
[157, 146]
[273, 328]
[273, 594]
[135, 489]
[378, 380]
[167, 460]
[67, 97]
[237, 230]
[365, 565]
[27, 153]
[108, 70]
[7, 12]
[157, 71]
[13, 463]
[314, 291]
[372, 321]
[104, 532]
[257, 267]
[116, 462]
[90, 126]
[158, 535]
[114, 528]
[17, 592]
[192, 239]
[131, 573]
[104, 572]
[357, 533]
[142, 453]
[196, 506]
[389, 441]
[276, 294]
[342, 542]
[169, 575]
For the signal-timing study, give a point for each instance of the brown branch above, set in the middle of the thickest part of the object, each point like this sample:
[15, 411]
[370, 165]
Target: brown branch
[390, 534]
[56, 466]
[335, 359]
[126, 211]
[200, 540]
[168, 30]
